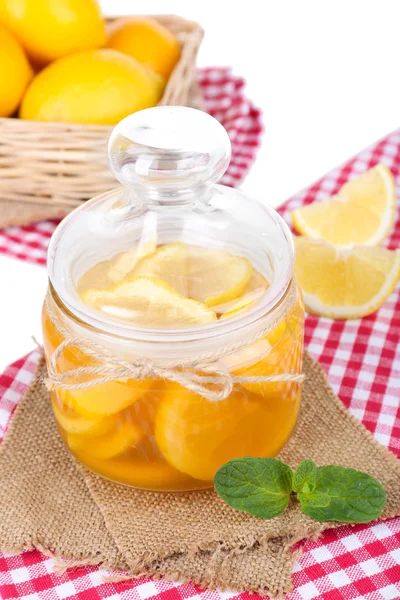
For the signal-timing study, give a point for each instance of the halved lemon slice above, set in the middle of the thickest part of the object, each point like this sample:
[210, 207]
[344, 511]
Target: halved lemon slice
[169, 263]
[216, 276]
[361, 213]
[344, 283]
[148, 302]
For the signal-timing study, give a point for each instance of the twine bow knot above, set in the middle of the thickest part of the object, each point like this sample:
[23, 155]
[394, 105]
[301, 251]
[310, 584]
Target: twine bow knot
[211, 379]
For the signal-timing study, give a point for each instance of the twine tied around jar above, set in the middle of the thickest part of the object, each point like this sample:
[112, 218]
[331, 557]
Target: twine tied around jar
[194, 376]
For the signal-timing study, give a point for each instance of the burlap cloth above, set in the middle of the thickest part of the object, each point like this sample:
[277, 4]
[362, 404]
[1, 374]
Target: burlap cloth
[49, 502]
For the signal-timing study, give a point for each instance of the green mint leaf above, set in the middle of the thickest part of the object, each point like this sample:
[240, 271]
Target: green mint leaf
[315, 500]
[259, 486]
[354, 497]
[304, 477]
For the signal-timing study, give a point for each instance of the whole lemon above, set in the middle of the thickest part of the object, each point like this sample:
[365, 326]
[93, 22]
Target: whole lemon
[147, 40]
[15, 72]
[49, 29]
[96, 86]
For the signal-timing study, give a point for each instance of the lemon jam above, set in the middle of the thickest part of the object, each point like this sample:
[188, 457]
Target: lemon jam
[183, 279]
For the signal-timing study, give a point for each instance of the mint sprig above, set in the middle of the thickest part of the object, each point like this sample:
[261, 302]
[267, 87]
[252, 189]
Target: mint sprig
[263, 486]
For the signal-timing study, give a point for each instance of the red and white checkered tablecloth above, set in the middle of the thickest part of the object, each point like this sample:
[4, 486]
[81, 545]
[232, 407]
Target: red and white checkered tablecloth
[362, 360]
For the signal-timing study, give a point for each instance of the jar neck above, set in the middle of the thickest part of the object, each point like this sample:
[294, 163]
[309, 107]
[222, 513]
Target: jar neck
[164, 197]
[202, 344]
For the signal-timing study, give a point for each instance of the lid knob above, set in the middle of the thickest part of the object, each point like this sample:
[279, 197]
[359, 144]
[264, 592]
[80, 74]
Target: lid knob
[168, 150]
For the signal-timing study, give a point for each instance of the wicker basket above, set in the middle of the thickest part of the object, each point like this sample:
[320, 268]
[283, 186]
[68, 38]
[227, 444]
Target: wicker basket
[46, 169]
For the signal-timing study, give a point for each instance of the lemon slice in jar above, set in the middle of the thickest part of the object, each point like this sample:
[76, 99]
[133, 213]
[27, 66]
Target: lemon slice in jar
[197, 436]
[93, 402]
[126, 261]
[216, 276]
[284, 356]
[169, 263]
[255, 289]
[112, 271]
[106, 399]
[279, 352]
[124, 434]
[147, 301]
[73, 422]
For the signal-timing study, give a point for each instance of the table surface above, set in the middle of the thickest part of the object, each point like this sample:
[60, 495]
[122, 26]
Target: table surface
[323, 74]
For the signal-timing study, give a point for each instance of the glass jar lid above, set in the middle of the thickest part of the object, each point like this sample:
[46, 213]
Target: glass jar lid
[168, 160]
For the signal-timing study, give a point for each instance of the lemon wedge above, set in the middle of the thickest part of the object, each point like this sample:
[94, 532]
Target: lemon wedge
[361, 213]
[169, 263]
[216, 276]
[148, 302]
[345, 283]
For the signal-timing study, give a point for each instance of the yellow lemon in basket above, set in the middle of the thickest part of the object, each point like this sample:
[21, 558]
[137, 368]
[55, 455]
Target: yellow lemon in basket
[15, 72]
[93, 87]
[49, 29]
[147, 40]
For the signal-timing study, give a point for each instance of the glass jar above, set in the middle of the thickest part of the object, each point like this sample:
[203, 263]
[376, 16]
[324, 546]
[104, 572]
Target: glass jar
[166, 355]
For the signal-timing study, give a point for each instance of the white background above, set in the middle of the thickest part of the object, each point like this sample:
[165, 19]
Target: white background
[326, 74]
